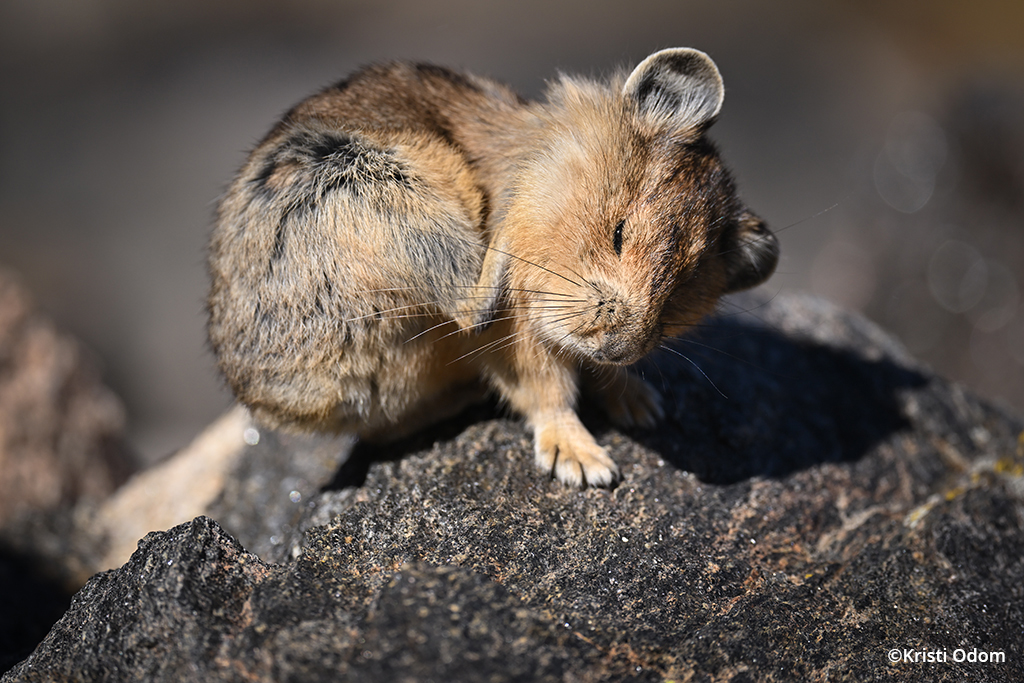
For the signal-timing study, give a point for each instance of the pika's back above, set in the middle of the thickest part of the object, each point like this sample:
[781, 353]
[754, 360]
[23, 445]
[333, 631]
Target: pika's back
[357, 218]
[405, 96]
[405, 100]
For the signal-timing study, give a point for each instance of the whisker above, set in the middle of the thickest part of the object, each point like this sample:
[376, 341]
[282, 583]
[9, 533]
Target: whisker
[731, 356]
[499, 288]
[555, 318]
[776, 231]
[813, 216]
[431, 329]
[751, 311]
[383, 315]
[560, 346]
[694, 364]
[510, 340]
[661, 373]
[540, 291]
[377, 314]
[535, 265]
[483, 323]
[425, 314]
[552, 307]
[488, 347]
[581, 277]
[559, 306]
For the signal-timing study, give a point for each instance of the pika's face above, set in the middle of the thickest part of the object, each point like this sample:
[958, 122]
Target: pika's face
[634, 238]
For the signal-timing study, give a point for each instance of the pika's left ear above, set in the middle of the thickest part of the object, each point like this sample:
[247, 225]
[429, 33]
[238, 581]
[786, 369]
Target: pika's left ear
[749, 251]
[681, 83]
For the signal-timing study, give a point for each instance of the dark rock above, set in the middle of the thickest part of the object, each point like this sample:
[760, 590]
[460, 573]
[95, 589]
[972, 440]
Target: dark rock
[191, 604]
[30, 604]
[264, 493]
[841, 503]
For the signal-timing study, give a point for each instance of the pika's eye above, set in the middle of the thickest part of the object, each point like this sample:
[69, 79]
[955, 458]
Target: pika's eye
[617, 238]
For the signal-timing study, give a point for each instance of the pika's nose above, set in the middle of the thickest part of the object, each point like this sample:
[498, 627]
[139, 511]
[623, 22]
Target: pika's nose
[626, 337]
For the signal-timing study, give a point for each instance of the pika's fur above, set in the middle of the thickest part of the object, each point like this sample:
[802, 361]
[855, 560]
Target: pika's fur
[407, 239]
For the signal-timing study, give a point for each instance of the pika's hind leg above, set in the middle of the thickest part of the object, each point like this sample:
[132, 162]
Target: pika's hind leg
[627, 400]
[334, 251]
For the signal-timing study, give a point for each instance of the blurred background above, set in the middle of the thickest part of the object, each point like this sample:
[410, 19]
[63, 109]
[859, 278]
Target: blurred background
[883, 139]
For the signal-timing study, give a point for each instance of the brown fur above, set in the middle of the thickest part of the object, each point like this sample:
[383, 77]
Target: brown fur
[412, 235]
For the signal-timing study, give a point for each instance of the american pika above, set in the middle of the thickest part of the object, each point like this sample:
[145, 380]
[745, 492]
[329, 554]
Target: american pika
[412, 237]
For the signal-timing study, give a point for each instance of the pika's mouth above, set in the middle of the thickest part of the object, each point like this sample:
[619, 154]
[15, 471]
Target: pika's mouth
[621, 349]
[624, 359]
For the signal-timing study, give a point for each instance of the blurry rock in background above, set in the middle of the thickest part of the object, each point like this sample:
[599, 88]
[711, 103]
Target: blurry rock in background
[62, 447]
[950, 286]
[123, 121]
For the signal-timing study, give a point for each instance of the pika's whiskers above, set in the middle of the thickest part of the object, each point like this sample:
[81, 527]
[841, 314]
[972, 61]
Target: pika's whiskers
[694, 364]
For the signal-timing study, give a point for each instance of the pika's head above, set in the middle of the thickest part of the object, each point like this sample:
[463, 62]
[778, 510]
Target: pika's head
[626, 224]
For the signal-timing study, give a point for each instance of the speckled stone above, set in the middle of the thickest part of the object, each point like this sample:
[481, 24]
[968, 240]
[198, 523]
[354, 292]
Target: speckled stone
[814, 500]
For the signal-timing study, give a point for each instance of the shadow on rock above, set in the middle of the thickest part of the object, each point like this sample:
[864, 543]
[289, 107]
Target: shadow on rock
[353, 471]
[30, 602]
[746, 401]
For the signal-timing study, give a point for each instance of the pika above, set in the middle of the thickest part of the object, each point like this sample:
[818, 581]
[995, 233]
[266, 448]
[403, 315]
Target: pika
[413, 237]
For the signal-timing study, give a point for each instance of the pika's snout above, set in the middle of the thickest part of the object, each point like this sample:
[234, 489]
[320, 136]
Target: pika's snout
[620, 330]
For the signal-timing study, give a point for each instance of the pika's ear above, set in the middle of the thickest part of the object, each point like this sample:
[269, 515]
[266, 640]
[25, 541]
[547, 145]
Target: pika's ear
[749, 251]
[681, 83]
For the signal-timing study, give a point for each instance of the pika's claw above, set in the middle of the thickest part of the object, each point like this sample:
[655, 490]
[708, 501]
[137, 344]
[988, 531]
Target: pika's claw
[564, 448]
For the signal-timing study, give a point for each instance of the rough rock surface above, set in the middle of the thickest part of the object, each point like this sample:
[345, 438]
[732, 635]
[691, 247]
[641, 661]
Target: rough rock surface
[812, 503]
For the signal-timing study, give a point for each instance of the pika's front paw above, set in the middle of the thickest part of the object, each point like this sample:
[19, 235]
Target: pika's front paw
[566, 449]
[628, 400]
